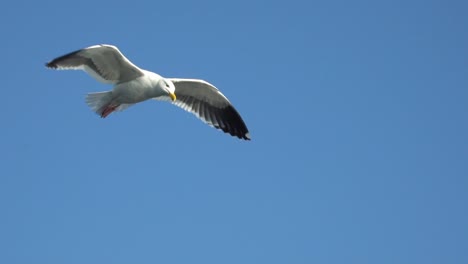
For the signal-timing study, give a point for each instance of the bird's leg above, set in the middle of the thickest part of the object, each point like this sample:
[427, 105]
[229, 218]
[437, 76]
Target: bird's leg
[109, 109]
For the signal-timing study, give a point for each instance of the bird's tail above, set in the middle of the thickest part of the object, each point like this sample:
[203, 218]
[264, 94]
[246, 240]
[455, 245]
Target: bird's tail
[98, 102]
[102, 103]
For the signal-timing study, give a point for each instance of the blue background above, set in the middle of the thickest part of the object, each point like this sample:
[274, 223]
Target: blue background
[357, 110]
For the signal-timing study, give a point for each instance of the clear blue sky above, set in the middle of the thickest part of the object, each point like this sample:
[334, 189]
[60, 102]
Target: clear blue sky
[358, 112]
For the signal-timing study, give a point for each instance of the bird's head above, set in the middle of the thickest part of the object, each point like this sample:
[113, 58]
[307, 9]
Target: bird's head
[169, 87]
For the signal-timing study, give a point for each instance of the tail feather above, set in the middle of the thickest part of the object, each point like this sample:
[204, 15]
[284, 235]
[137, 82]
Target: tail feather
[98, 102]
[102, 104]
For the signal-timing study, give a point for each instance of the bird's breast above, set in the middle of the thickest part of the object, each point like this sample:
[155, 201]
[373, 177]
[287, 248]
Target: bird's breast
[135, 91]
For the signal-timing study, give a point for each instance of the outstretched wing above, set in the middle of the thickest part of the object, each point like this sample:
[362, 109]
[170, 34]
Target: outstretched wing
[207, 103]
[104, 62]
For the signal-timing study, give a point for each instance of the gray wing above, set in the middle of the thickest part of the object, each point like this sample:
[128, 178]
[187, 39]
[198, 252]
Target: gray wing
[104, 62]
[207, 103]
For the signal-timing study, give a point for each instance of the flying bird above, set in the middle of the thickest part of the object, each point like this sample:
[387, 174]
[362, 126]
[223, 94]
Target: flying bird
[133, 85]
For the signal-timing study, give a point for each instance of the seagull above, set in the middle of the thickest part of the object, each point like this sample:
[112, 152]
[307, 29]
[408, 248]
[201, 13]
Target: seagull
[134, 85]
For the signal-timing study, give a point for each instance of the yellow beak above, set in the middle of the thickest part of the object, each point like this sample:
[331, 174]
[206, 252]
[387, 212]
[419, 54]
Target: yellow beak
[173, 97]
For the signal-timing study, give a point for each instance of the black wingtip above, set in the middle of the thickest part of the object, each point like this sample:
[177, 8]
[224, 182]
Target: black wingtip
[234, 124]
[245, 137]
[51, 65]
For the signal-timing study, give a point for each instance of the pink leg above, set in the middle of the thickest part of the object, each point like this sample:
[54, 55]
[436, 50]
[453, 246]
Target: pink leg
[109, 109]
